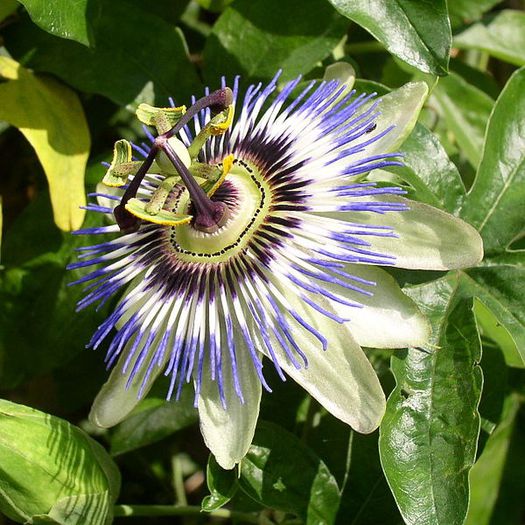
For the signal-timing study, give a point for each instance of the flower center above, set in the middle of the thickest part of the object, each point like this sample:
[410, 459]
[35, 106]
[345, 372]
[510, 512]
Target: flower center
[208, 215]
[248, 198]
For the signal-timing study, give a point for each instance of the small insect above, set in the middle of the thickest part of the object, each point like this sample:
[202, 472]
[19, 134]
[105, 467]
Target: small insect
[371, 128]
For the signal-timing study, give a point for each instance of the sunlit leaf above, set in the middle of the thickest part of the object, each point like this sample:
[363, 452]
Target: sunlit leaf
[51, 118]
[62, 18]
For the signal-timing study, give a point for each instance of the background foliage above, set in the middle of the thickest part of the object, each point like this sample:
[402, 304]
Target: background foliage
[451, 447]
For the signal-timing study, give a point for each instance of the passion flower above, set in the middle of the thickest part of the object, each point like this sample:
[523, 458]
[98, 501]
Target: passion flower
[240, 239]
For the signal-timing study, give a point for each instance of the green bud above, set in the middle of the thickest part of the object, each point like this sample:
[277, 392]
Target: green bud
[52, 472]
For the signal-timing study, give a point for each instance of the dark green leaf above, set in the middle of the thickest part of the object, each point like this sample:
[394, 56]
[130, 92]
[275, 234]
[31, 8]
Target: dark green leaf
[251, 39]
[495, 205]
[63, 18]
[431, 425]
[501, 35]
[280, 472]
[416, 31]
[429, 171]
[222, 485]
[34, 293]
[366, 498]
[153, 420]
[135, 51]
[52, 470]
[466, 110]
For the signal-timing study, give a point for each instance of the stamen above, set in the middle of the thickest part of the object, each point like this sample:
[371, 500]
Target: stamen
[210, 215]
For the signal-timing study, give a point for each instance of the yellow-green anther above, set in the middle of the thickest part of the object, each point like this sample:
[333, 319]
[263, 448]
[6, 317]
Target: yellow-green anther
[121, 166]
[216, 126]
[162, 118]
[158, 199]
[138, 208]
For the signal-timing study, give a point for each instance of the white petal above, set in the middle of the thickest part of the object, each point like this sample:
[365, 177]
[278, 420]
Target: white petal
[388, 319]
[116, 400]
[401, 108]
[341, 378]
[429, 239]
[228, 432]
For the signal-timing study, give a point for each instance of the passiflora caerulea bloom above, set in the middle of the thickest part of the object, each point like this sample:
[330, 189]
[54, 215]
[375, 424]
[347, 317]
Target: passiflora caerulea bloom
[239, 238]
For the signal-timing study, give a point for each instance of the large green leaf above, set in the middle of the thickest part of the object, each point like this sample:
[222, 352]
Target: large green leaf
[256, 39]
[62, 18]
[134, 51]
[501, 35]
[281, 472]
[495, 207]
[52, 471]
[495, 204]
[51, 118]
[416, 31]
[431, 426]
[466, 110]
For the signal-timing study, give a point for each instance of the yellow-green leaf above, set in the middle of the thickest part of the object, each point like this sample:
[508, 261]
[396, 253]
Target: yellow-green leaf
[51, 118]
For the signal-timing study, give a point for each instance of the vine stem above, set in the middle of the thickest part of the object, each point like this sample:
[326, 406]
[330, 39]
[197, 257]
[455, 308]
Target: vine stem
[131, 511]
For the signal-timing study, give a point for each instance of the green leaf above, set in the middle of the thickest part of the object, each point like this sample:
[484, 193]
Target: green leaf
[466, 110]
[431, 426]
[495, 203]
[222, 485]
[52, 120]
[135, 50]
[487, 474]
[256, 39]
[494, 206]
[427, 168]
[152, 420]
[462, 11]
[62, 18]
[502, 35]
[52, 470]
[416, 31]
[280, 472]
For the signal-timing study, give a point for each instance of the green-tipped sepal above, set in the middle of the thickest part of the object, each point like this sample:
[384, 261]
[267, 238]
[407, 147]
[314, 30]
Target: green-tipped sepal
[122, 165]
[161, 118]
